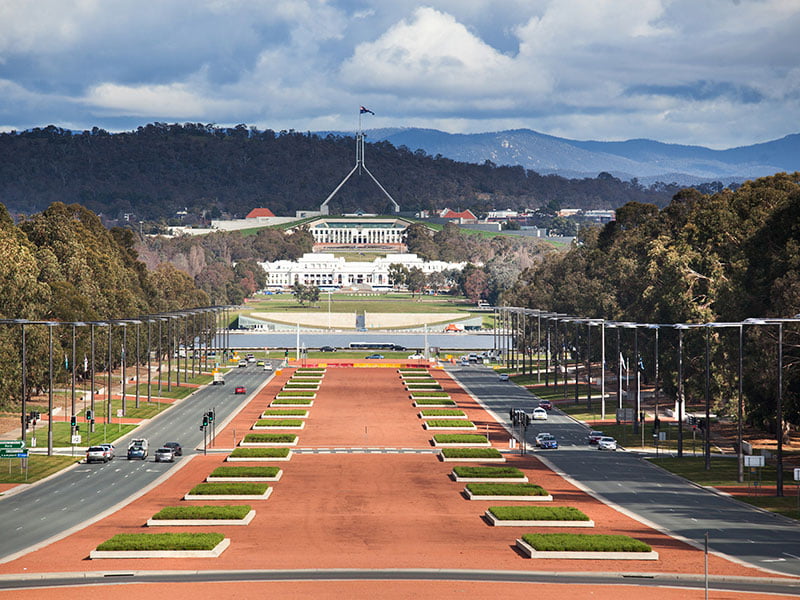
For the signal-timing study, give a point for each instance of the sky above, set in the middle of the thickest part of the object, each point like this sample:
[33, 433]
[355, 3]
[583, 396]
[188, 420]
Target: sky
[715, 73]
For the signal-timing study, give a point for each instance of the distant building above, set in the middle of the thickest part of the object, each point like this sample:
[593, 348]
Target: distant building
[464, 216]
[259, 212]
[358, 232]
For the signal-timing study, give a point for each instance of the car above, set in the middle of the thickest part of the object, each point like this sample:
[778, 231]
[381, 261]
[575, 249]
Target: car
[374, 356]
[242, 363]
[606, 443]
[327, 349]
[546, 404]
[260, 363]
[137, 449]
[399, 348]
[541, 435]
[464, 362]
[594, 436]
[96, 454]
[176, 448]
[251, 359]
[539, 414]
[267, 366]
[503, 377]
[164, 454]
[109, 450]
[240, 389]
[415, 356]
[548, 442]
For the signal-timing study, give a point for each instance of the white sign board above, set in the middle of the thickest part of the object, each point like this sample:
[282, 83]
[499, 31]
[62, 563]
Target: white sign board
[797, 474]
[754, 461]
[76, 439]
[120, 414]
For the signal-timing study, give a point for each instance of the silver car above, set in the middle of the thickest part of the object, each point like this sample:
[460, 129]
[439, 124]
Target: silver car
[606, 443]
[165, 454]
[97, 454]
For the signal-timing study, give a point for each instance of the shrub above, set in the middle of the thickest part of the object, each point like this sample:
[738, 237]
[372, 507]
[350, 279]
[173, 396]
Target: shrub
[430, 394]
[537, 513]
[583, 542]
[442, 412]
[162, 541]
[245, 472]
[450, 423]
[279, 423]
[284, 412]
[471, 453]
[174, 513]
[230, 488]
[270, 438]
[260, 453]
[460, 438]
[442, 402]
[506, 489]
[310, 370]
[302, 393]
[279, 401]
[511, 472]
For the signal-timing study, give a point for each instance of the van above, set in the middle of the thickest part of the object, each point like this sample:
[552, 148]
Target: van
[137, 449]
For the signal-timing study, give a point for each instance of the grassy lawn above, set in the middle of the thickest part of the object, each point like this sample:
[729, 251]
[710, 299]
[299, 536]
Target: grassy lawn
[61, 433]
[351, 303]
[146, 409]
[39, 467]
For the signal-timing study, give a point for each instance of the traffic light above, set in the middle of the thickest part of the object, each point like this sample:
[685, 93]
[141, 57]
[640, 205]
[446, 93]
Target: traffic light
[210, 416]
[73, 421]
[89, 415]
[205, 420]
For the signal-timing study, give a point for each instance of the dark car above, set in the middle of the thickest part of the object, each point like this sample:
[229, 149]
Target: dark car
[594, 436]
[165, 455]
[548, 442]
[327, 349]
[374, 356]
[545, 404]
[176, 448]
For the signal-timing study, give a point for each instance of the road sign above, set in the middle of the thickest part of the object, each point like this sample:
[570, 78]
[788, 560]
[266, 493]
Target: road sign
[76, 439]
[11, 444]
[797, 474]
[6, 453]
[754, 461]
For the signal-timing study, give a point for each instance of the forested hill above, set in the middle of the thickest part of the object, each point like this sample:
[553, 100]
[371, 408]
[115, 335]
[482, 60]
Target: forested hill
[160, 168]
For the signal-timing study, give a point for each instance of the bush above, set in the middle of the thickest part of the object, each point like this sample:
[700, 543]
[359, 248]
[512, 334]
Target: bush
[506, 489]
[471, 453]
[511, 472]
[230, 488]
[430, 394]
[460, 438]
[174, 513]
[284, 412]
[583, 542]
[260, 453]
[245, 472]
[443, 401]
[442, 412]
[537, 513]
[279, 402]
[279, 423]
[162, 541]
[270, 438]
[450, 423]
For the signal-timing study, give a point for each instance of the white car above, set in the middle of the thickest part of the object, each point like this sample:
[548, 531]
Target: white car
[503, 377]
[415, 356]
[539, 414]
[267, 366]
[606, 443]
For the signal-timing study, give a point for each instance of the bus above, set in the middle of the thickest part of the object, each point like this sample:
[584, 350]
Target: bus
[376, 346]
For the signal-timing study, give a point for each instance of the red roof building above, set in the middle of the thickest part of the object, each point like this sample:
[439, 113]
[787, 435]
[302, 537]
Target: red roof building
[259, 212]
[465, 216]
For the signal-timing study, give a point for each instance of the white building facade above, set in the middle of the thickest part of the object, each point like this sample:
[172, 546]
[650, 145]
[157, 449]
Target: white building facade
[328, 271]
[358, 232]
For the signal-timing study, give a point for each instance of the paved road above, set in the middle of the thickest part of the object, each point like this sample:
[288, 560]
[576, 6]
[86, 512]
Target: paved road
[84, 492]
[670, 503]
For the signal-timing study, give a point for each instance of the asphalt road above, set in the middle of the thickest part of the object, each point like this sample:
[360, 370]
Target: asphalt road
[666, 501]
[83, 493]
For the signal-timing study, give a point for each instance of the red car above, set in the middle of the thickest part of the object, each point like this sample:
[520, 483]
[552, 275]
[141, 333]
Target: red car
[240, 389]
[594, 436]
[545, 404]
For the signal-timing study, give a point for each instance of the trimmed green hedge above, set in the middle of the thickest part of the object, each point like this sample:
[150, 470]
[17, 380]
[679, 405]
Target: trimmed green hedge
[162, 541]
[174, 513]
[233, 488]
[511, 472]
[270, 438]
[584, 542]
[436, 402]
[292, 385]
[260, 453]
[302, 393]
[279, 423]
[418, 379]
[460, 438]
[417, 386]
[430, 394]
[450, 423]
[284, 412]
[442, 412]
[300, 401]
[506, 489]
[471, 453]
[537, 513]
[310, 370]
[412, 370]
[245, 472]
[309, 378]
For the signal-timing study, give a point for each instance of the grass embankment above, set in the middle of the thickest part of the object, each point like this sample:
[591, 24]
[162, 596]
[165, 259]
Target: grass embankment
[145, 410]
[299, 393]
[579, 542]
[471, 453]
[460, 438]
[489, 472]
[352, 303]
[290, 400]
[162, 541]
[39, 467]
[229, 488]
[270, 438]
[537, 513]
[506, 489]
[190, 513]
[245, 472]
[103, 433]
[430, 394]
[260, 453]
[434, 401]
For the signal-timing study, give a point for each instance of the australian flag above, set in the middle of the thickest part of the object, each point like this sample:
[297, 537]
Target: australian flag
[364, 109]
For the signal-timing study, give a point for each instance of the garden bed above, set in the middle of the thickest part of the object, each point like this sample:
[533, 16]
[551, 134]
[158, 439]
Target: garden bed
[488, 475]
[239, 490]
[537, 516]
[442, 414]
[296, 395]
[434, 403]
[471, 455]
[456, 439]
[245, 474]
[162, 545]
[292, 402]
[259, 454]
[584, 546]
[175, 516]
[279, 424]
[296, 413]
[524, 492]
[269, 439]
[450, 424]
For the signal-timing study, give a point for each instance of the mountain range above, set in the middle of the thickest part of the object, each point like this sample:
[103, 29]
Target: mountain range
[646, 160]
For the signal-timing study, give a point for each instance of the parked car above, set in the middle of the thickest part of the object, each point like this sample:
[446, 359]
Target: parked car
[594, 436]
[540, 436]
[503, 377]
[606, 443]
[240, 389]
[242, 363]
[165, 454]
[109, 450]
[96, 454]
[546, 404]
[548, 442]
[374, 356]
[416, 355]
[327, 349]
[176, 448]
[539, 414]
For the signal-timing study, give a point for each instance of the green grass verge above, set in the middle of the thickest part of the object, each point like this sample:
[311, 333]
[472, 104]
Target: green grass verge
[279, 423]
[300, 393]
[510, 472]
[460, 438]
[310, 370]
[284, 412]
[506, 489]
[260, 453]
[103, 432]
[162, 541]
[430, 394]
[39, 467]
[423, 386]
[537, 513]
[306, 379]
[230, 488]
[449, 423]
[442, 412]
[471, 453]
[299, 401]
[724, 471]
[244, 472]
[785, 505]
[583, 542]
[270, 438]
[175, 513]
[412, 370]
